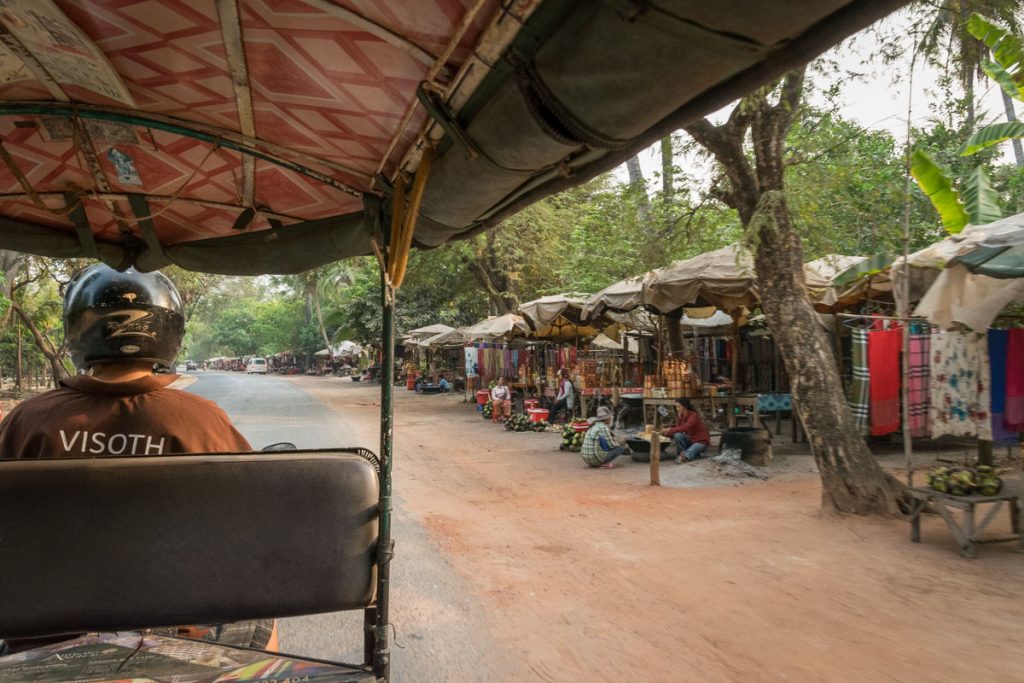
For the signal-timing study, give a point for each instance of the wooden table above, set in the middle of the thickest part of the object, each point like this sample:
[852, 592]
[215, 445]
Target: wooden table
[967, 533]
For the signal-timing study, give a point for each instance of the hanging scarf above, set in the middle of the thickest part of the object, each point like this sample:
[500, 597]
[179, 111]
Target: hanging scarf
[1014, 415]
[860, 395]
[884, 367]
[960, 398]
[918, 383]
[998, 340]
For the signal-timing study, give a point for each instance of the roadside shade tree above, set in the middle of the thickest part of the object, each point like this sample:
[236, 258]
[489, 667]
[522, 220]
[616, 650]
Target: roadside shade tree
[753, 183]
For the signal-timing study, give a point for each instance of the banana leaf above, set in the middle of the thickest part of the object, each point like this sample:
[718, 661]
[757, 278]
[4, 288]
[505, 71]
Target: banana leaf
[992, 135]
[980, 200]
[1007, 51]
[1003, 77]
[938, 187]
[870, 266]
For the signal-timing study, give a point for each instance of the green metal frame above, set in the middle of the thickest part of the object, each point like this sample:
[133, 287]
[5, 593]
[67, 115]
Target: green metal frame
[381, 656]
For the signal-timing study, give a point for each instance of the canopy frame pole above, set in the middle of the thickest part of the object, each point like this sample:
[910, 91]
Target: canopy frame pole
[385, 545]
[735, 379]
[904, 312]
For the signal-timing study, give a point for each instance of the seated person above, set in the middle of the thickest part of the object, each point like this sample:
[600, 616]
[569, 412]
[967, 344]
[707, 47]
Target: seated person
[121, 330]
[444, 385]
[501, 400]
[565, 397]
[599, 448]
[689, 433]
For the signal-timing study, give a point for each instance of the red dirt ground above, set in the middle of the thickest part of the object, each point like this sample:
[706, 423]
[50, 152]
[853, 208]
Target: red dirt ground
[594, 575]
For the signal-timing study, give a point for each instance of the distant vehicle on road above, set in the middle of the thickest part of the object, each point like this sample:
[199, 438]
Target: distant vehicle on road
[256, 366]
[191, 366]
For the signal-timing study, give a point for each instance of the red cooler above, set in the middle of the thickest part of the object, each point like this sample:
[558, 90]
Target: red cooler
[537, 414]
[482, 396]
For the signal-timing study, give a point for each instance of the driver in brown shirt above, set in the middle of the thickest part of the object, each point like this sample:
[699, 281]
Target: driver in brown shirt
[123, 332]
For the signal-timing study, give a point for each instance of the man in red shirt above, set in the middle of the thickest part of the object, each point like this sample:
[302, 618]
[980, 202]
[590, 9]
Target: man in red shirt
[689, 433]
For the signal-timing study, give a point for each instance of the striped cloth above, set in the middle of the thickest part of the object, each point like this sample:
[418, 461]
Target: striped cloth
[860, 387]
[918, 376]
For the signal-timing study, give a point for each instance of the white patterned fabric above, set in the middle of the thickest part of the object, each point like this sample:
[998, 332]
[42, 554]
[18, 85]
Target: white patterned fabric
[960, 391]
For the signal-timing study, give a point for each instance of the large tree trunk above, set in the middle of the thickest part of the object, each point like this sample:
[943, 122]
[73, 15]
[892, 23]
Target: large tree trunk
[851, 479]
[667, 170]
[675, 332]
[636, 180]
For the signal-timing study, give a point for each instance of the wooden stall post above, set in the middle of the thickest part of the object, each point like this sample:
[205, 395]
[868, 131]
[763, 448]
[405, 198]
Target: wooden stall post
[656, 448]
[731, 421]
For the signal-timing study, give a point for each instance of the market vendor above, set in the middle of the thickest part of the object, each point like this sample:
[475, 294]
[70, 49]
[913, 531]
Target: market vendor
[689, 433]
[599, 448]
[501, 400]
[565, 397]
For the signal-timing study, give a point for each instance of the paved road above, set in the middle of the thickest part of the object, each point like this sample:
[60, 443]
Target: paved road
[440, 632]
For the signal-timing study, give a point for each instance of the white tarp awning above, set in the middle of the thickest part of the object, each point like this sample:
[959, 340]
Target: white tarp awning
[957, 295]
[500, 327]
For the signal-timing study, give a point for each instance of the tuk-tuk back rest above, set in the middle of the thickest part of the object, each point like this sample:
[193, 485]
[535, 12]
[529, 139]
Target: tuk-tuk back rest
[106, 544]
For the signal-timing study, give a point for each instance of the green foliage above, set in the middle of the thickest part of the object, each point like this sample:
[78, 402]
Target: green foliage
[980, 199]
[938, 187]
[1007, 69]
[845, 188]
[987, 136]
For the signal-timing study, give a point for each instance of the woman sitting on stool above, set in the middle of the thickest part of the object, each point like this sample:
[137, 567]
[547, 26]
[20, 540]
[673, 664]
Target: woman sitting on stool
[501, 401]
[565, 396]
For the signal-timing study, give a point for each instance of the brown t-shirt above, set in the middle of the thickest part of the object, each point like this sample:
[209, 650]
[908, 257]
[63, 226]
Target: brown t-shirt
[87, 417]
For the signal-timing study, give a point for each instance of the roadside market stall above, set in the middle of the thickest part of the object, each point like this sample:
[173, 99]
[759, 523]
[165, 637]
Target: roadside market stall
[964, 374]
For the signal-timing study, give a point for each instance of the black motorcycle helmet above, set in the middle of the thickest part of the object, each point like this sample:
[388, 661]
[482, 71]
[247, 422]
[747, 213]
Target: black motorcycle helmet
[111, 317]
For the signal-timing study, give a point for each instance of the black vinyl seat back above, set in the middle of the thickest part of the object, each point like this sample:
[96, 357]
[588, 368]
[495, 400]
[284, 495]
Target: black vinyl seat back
[119, 543]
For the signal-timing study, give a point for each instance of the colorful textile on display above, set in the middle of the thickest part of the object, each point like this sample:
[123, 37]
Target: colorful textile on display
[997, 344]
[1014, 411]
[960, 395]
[884, 366]
[918, 376]
[860, 395]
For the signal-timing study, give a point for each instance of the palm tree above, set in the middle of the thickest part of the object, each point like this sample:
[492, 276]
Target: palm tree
[946, 37]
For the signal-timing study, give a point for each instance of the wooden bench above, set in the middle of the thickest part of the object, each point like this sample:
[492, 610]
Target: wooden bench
[968, 533]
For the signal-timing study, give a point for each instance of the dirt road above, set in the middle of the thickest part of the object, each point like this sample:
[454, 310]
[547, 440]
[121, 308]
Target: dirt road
[593, 575]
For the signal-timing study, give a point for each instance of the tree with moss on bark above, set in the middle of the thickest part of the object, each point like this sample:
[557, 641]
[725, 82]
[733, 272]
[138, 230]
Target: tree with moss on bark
[752, 182]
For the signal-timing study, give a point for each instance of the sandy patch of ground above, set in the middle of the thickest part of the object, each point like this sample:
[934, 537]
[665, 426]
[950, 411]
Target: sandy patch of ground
[595, 575]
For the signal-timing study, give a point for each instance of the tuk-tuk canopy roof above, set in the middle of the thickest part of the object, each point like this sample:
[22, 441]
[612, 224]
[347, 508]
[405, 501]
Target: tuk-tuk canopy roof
[248, 137]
